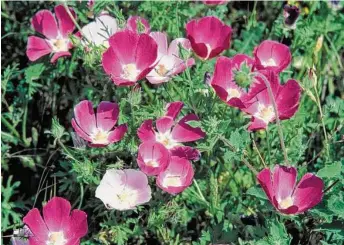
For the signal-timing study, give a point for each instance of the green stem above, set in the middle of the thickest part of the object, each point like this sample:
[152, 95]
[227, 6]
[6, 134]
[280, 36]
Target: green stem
[322, 119]
[67, 152]
[199, 192]
[75, 22]
[24, 124]
[147, 90]
[268, 143]
[224, 140]
[10, 127]
[81, 195]
[278, 122]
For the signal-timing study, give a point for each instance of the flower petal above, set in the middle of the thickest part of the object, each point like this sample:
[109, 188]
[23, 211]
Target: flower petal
[186, 152]
[37, 47]
[133, 21]
[124, 44]
[65, 23]
[161, 39]
[84, 116]
[153, 152]
[77, 226]
[56, 213]
[288, 99]
[146, 132]
[183, 132]
[107, 115]
[57, 55]
[34, 221]
[146, 52]
[264, 178]
[79, 131]
[118, 133]
[283, 181]
[173, 109]
[164, 124]
[308, 193]
[44, 22]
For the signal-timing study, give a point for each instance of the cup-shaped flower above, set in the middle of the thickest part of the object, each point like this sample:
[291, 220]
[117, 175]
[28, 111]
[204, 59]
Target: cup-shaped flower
[138, 24]
[287, 98]
[123, 189]
[153, 158]
[170, 133]
[231, 80]
[59, 224]
[56, 30]
[177, 177]
[169, 61]
[98, 32]
[97, 129]
[283, 193]
[272, 55]
[208, 36]
[130, 57]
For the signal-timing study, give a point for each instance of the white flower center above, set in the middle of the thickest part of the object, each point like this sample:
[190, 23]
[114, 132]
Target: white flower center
[152, 163]
[208, 50]
[130, 72]
[59, 45]
[265, 113]
[56, 238]
[166, 139]
[269, 62]
[100, 137]
[127, 198]
[286, 203]
[161, 70]
[233, 93]
[172, 180]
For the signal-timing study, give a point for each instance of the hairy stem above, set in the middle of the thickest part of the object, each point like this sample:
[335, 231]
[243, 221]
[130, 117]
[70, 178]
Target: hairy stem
[200, 192]
[278, 122]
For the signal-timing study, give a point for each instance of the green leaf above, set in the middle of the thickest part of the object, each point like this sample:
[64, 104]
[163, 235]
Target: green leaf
[34, 72]
[336, 205]
[257, 192]
[330, 171]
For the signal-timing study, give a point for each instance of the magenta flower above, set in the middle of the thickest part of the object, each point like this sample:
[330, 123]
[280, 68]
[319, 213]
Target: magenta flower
[172, 134]
[287, 99]
[230, 82]
[130, 57]
[169, 61]
[272, 55]
[58, 226]
[283, 193]
[55, 29]
[208, 36]
[214, 2]
[123, 189]
[153, 158]
[177, 177]
[98, 129]
[134, 22]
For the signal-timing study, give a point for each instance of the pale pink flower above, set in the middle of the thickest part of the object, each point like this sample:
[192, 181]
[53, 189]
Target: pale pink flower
[169, 61]
[123, 189]
[135, 22]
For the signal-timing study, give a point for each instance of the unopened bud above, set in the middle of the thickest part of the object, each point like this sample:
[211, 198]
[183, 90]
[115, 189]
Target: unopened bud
[290, 14]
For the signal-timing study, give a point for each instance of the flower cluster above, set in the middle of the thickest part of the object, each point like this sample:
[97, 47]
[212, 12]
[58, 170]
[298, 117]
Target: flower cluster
[162, 151]
[244, 82]
[133, 53]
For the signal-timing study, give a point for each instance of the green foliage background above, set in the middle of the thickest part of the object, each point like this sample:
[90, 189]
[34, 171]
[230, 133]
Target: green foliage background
[39, 160]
